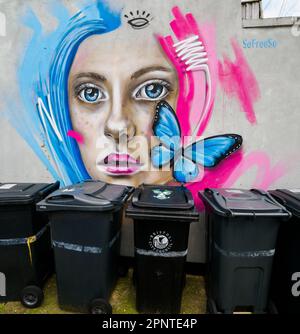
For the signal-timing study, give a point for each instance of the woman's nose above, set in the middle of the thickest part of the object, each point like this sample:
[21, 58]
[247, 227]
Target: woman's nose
[118, 128]
[119, 124]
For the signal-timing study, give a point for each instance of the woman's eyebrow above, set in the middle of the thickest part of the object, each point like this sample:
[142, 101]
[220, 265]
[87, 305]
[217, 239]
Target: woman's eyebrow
[149, 69]
[90, 75]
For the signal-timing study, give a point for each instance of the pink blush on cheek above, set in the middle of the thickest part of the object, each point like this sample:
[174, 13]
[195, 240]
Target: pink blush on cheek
[76, 135]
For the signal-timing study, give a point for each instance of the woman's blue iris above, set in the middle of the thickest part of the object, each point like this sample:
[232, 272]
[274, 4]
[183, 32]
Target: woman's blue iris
[91, 94]
[154, 90]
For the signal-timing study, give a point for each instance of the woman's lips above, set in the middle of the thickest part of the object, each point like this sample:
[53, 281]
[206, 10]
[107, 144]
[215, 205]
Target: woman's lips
[120, 164]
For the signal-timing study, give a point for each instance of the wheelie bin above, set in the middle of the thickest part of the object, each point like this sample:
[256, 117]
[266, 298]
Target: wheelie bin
[242, 229]
[162, 217]
[285, 293]
[85, 225]
[26, 256]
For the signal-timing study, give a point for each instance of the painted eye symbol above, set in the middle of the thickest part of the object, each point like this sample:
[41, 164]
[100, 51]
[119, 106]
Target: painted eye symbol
[138, 20]
[138, 23]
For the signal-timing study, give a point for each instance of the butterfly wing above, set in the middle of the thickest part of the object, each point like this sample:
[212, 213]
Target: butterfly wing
[185, 170]
[210, 151]
[166, 126]
[160, 156]
[167, 129]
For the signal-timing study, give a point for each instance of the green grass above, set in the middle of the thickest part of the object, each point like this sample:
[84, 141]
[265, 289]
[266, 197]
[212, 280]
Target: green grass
[122, 300]
[2, 308]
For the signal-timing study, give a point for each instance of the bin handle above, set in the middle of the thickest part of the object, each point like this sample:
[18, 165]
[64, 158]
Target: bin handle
[115, 202]
[128, 194]
[136, 195]
[45, 191]
[271, 198]
[259, 191]
[188, 196]
[226, 212]
[86, 198]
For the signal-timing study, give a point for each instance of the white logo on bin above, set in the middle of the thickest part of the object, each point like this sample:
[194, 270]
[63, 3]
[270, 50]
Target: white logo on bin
[160, 241]
[2, 285]
[162, 194]
[296, 286]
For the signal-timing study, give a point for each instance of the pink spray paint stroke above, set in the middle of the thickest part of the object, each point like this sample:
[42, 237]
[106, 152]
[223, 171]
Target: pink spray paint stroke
[229, 171]
[192, 84]
[76, 135]
[238, 80]
[216, 177]
[207, 36]
[195, 81]
[266, 174]
[167, 46]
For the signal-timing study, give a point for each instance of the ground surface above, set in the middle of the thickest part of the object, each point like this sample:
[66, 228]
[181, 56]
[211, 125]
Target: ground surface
[122, 300]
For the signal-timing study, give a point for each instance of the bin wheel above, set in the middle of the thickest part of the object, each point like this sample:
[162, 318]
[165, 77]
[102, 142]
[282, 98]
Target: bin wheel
[32, 296]
[272, 308]
[211, 307]
[100, 306]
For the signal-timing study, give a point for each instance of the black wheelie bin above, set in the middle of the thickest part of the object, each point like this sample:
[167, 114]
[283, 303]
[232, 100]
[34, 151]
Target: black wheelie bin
[285, 293]
[26, 256]
[85, 225]
[162, 217]
[242, 229]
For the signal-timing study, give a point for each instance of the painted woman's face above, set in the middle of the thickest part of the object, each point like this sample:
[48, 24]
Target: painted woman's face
[115, 84]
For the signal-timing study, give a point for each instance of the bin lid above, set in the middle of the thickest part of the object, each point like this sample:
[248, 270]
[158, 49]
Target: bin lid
[160, 202]
[290, 198]
[24, 193]
[86, 196]
[239, 202]
[167, 197]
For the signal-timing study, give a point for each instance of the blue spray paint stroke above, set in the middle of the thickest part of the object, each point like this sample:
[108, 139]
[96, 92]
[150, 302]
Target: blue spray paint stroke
[43, 82]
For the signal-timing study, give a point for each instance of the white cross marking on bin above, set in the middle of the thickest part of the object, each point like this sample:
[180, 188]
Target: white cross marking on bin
[2, 285]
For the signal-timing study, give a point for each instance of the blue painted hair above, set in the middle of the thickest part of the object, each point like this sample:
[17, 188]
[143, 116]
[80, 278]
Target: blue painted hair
[43, 80]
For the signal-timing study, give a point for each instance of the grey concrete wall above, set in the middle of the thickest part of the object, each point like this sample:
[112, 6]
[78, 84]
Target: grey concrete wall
[277, 71]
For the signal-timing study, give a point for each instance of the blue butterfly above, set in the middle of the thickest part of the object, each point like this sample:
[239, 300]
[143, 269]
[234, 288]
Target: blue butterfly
[207, 152]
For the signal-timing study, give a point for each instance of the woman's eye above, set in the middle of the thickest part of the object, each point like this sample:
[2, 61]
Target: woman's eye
[92, 95]
[152, 91]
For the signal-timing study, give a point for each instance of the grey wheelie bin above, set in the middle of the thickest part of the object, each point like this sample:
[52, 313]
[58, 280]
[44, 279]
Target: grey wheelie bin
[242, 229]
[162, 217]
[85, 225]
[285, 293]
[26, 256]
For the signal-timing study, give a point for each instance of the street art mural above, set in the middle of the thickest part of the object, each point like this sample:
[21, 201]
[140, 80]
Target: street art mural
[99, 106]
